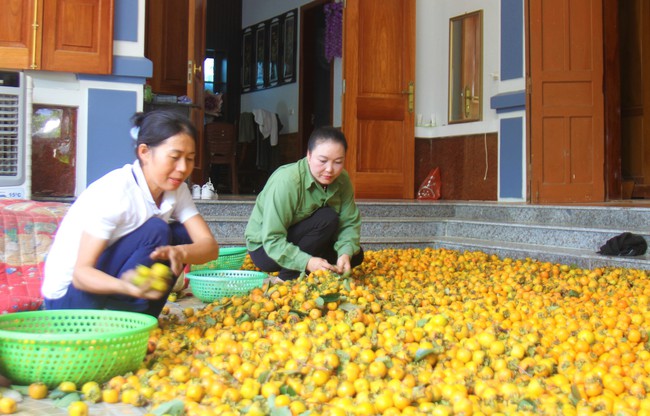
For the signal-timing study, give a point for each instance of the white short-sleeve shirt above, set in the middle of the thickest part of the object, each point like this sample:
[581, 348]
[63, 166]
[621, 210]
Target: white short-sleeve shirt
[110, 208]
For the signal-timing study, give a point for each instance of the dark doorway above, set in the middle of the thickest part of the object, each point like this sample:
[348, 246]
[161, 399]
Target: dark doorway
[634, 35]
[626, 30]
[315, 72]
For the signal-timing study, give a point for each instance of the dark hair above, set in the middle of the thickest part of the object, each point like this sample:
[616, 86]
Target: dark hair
[324, 134]
[156, 126]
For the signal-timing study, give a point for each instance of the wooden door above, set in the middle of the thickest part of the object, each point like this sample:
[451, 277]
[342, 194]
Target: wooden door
[379, 64]
[78, 36]
[18, 39]
[566, 101]
[167, 44]
[195, 82]
[635, 95]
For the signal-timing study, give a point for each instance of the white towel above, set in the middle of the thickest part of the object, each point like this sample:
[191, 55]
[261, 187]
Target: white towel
[268, 123]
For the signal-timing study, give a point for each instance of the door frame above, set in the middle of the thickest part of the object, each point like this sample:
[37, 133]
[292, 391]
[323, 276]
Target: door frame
[195, 84]
[303, 89]
[612, 92]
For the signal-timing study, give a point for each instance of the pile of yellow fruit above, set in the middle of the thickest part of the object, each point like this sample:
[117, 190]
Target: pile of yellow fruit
[411, 332]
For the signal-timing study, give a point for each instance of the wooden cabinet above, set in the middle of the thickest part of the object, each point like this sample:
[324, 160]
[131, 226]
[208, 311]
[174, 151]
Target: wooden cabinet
[57, 35]
[167, 45]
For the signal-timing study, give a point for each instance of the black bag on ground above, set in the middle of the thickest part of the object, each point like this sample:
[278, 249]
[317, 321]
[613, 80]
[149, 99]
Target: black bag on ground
[625, 244]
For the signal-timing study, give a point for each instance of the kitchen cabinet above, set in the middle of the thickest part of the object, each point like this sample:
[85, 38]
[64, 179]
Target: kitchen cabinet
[57, 35]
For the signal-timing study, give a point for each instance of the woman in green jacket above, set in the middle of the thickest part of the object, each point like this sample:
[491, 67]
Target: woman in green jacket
[305, 219]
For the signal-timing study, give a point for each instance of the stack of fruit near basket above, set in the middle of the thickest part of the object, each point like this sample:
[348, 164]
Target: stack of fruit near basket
[222, 277]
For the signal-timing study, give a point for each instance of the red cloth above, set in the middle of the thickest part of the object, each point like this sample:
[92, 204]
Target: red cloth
[27, 229]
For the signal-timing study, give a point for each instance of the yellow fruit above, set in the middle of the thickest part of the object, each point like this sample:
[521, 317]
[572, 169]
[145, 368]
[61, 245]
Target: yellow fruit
[8, 406]
[78, 409]
[67, 386]
[173, 297]
[158, 276]
[195, 392]
[132, 397]
[416, 328]
[37, 391]
[160, 270]
[91, 391]
[143, 274]
[180, 373]
[159, 285]
[110, 395]
[282, 400]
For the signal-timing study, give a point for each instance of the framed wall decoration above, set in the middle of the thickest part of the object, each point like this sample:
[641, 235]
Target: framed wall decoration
[289, 61]
[260, 54]
[274, 51]
[247, 59]
[269, 53]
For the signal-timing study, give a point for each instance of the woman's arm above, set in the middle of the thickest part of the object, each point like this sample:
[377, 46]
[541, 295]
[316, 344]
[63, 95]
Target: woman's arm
[90, 279]
[204, 247]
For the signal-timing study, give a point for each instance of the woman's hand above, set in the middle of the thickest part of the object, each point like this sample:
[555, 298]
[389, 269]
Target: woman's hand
[317, 263]
[343, 265]
[174, 254]
[143, 291]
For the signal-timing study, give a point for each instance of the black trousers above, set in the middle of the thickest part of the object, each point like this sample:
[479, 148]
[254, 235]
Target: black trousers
[313, 235]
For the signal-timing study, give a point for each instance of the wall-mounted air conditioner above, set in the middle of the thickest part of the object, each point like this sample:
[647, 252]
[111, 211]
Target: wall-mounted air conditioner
[14, 137]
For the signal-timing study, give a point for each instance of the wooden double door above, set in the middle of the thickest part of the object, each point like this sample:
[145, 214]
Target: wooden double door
[588, 100]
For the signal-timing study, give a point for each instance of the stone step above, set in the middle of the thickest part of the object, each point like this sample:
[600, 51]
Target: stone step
[560, 234]
[232, 228]
[562, 255]
[634, 219]
[416, 229]
[587, 238]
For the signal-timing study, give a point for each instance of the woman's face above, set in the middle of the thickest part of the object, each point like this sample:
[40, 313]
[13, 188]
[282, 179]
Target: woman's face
[167, 165]
[326, 161]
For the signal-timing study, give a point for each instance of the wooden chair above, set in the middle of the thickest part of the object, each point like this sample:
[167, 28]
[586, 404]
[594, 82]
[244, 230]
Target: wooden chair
[221, 140]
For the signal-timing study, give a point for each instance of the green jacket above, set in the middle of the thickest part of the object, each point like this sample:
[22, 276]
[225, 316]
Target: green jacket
[291, 195]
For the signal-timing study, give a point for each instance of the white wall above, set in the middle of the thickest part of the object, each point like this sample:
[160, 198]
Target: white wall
[432, 57]
[432, 64]
[283, 100]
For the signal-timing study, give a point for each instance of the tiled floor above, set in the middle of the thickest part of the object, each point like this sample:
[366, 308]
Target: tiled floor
[30, 407]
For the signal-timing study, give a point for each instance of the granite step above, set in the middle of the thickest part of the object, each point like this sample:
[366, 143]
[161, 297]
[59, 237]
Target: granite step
[634, 219]
[560, 234]
[571, 256]
[231, 229]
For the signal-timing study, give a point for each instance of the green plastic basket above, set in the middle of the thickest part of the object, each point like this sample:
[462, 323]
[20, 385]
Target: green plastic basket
[211, 285]
[230, 258]
[75, 345]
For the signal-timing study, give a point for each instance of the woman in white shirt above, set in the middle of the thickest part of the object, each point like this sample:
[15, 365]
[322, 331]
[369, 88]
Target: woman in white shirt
[141, 213]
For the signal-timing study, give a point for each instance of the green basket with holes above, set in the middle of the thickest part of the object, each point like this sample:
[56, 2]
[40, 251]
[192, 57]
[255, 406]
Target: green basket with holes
[211, 285]
[230, 258]
[75, 345]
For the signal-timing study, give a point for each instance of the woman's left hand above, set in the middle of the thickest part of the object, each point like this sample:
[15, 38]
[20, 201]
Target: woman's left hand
[174, 254]
[343, 264]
